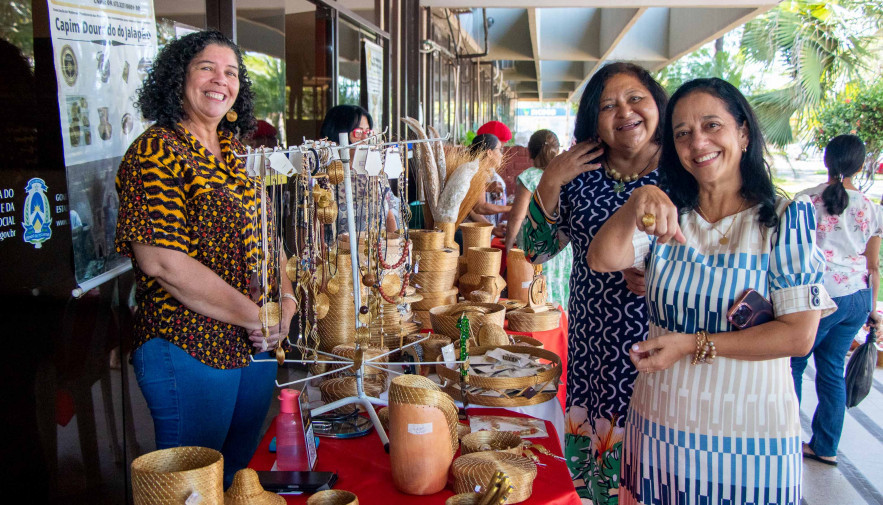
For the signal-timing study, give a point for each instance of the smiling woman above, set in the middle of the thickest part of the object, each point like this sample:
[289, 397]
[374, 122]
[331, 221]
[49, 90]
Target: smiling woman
[187, 217]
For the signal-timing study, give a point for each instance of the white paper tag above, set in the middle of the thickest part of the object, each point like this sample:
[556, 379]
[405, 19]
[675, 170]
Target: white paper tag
[448, 355]
[373, 163]
[420, 429]
[279, 162]
[526, 284]
[358, 162]
[193, 499]
[392, 165]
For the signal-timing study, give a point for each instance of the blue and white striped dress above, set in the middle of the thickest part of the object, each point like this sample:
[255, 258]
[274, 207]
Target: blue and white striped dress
[729, 432]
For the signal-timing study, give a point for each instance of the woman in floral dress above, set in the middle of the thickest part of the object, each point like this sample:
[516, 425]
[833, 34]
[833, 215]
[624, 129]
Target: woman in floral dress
[617, 129]
[543, 147]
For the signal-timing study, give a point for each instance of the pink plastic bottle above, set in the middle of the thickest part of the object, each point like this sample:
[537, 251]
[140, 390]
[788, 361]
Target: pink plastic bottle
[291, 451]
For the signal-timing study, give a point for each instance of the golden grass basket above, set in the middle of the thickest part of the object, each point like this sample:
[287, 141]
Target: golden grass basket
[474, 471]
[431, 300]
[503, 441]
[371, 374]
[419, 390]
[484, 260]
[444, 318]
[432, 347]
[343, 387]
[507, 391]
[465, 499]
[434, 282]
[525, 340]
[383, 416]
[437, 261]
[476, 234]
[170, 476]
[333, 497]
[427, 240]
[519, 320]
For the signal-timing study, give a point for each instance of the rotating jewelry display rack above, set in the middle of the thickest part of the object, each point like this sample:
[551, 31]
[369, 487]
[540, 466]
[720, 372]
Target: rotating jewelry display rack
[294, 156]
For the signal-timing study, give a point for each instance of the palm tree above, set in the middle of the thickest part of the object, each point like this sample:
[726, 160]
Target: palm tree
[822, 45]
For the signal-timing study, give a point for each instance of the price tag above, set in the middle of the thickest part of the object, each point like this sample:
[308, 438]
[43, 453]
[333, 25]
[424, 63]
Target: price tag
[373, 163]
[392, 165]
[359, 160]
[280, 163]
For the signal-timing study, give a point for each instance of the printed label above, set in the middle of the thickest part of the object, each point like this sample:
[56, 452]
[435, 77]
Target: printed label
[420, 429]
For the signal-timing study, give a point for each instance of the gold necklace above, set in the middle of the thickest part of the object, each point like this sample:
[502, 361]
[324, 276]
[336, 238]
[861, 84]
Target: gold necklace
[620, 179]
[724, 240]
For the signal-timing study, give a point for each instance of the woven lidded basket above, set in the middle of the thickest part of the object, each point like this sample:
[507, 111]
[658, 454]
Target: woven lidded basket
[170, 476]
[474, 471]
[333, 497]
[437, 260]
[444, 318]
[503, 441]
[519, 320]
[507, 391]
[427, 240]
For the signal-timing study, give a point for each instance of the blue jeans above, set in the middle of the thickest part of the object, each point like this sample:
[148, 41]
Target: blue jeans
[833, 339]
[195, 404]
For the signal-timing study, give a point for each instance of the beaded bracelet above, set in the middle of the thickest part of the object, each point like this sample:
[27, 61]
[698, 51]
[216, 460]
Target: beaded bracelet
[705, 349]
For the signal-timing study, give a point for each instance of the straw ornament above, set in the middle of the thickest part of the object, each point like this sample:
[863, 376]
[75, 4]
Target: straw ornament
[335, 172]
[270, 314]
[503, 441]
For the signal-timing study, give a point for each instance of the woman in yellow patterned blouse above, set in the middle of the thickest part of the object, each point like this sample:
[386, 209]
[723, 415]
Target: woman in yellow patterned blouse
[187, 217]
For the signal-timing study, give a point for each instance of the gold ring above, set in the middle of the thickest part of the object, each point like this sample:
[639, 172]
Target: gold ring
[648, 220]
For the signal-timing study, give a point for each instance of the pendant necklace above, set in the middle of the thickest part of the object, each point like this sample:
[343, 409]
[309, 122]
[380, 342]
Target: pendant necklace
[724, 240]
[620, 180]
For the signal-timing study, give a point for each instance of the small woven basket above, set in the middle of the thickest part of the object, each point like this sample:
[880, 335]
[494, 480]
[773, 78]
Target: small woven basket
[484, 260]
[170, 476]
[476, 234]
[431, 300]
[519, 320]
[503, 441]
[373, 375]
[333, 497]
[465, 499]
[437, 260]
[474, 471]
[344, 387]
[434, 282]
[427, 240]
[444, 318]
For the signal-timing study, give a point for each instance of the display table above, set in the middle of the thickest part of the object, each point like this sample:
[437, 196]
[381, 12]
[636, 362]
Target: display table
[364, 469]
[556, 341]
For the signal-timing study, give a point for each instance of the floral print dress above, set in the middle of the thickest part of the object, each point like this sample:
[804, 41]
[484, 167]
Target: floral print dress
[605, 319]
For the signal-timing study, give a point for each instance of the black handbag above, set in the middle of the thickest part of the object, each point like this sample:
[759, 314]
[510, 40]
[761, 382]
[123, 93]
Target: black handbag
[860, 369]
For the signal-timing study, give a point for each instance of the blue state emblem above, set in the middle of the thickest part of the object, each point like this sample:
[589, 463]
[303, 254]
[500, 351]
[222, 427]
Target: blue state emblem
[38, 217]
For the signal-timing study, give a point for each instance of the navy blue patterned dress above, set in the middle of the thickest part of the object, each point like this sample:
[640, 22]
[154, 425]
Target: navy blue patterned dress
[605, 320]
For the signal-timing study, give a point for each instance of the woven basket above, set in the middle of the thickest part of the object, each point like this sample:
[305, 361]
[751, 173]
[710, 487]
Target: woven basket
[422, 318]
[371, 374]
[507, 391]
[437, 261]
[169, 476]
[465, 499]
[383, 417]
[491, 335]
[474, 471]
[431, 300]
[432, 347]
[418, 390]
[343, 387]
[503, 441]
[444, 318]
[333, 497]
[470, 282]
[476, 234]
[519, 320]
[427, 240]
[526, 341]
[434, 282]
[484, 260]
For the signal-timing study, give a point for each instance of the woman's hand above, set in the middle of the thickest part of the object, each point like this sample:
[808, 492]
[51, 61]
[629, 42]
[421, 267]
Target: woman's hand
[878, 322]
[662, 352]
[634, 281]
[568, 165]
[277, 332]
[654, 213]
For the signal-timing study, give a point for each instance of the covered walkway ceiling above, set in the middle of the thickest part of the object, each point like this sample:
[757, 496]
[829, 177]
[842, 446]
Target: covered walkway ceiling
[549, 52]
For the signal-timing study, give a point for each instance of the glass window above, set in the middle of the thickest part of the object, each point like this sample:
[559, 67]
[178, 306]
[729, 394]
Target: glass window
[260, 32]
[308, 68]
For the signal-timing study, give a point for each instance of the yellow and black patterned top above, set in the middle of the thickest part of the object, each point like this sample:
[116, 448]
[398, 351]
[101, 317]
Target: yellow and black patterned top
[174, 194]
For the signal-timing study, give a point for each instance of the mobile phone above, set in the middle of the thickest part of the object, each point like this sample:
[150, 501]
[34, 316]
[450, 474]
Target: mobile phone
[750, 310]
[307, 482]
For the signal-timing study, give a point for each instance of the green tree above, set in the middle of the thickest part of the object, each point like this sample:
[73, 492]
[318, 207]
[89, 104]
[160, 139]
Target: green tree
[268, 83]
[821, 45]
[16, 26]
[712, 60]
[859, 112]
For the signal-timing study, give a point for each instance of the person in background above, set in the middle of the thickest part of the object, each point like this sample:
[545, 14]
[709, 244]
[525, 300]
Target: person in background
[486, 211]
[618, 126]
[542, 148]
[849, 230]
[264, 135]
[187, 218]
[356, 122]
[713, 417]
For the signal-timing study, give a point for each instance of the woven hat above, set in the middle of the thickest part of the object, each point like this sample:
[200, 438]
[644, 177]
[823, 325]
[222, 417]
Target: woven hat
[496, 128]
[170, 476]
[246, 490]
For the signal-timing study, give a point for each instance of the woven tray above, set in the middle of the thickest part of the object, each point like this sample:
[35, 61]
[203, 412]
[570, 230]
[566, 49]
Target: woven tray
[333, 497]
[444, 318]
[519, 320]
[506, 391]
[478, 468]
[479, 441]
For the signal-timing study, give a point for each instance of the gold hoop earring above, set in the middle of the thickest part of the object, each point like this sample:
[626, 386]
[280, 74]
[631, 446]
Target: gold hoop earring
[232, 116]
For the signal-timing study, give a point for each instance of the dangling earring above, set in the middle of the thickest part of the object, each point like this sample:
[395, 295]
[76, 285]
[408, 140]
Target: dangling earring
[232, 116]
[744, 148]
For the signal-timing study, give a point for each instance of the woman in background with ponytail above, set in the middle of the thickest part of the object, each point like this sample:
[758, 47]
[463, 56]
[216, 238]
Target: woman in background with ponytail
[849, 230]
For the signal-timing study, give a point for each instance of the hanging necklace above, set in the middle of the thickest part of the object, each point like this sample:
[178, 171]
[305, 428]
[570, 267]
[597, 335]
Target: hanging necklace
[620, 179]
[724, 240]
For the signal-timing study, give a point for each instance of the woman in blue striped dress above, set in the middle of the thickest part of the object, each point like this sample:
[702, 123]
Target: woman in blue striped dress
[700, 429]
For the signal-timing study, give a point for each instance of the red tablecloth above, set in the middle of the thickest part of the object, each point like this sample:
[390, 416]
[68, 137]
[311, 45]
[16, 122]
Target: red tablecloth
[363, 468]
[556, 341]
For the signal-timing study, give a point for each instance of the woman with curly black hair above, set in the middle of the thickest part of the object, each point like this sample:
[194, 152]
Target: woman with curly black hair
[187, 217]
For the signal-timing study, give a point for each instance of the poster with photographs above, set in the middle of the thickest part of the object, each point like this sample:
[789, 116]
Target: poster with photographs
[374, 81]
[102, 49]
